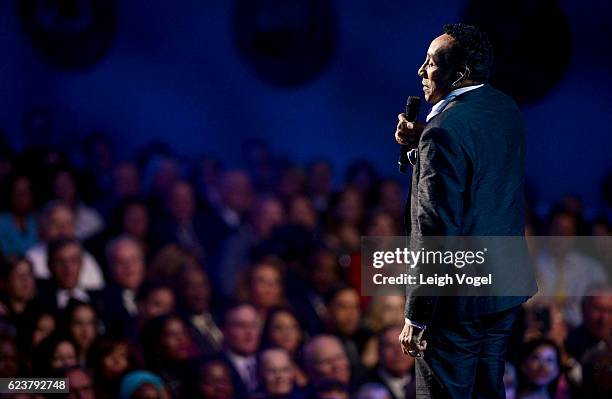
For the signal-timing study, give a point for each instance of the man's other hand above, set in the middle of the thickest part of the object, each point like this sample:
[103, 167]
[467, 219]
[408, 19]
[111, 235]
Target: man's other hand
[408, 133]
[410, 340]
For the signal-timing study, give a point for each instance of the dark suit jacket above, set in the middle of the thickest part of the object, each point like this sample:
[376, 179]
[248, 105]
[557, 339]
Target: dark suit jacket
[468, 180]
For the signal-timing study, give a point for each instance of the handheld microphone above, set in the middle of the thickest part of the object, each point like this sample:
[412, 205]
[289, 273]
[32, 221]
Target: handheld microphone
[413, 103]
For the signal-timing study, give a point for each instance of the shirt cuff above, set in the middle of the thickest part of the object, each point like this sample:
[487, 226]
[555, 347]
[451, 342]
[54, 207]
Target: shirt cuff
[417, 325]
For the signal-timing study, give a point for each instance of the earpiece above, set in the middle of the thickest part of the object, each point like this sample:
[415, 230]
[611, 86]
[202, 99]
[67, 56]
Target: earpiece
[462, 76]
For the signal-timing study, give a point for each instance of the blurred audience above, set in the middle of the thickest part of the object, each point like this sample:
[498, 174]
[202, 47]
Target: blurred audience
[161, 276]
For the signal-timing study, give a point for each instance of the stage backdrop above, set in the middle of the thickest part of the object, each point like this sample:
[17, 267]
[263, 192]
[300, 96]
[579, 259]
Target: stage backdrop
[175, 72]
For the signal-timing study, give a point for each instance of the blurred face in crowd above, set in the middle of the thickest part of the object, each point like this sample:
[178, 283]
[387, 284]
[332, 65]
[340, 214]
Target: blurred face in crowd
[382, 225]
[392, 310]
[302, 213]
[324, 271]
[268, 215]
[149, 391]
[215, 381]
[563, 230]
[66, 266]
[391, 197]
[9, 366]
[320, 174]
[126, 261]
[64, 187]
[83, 326]
[65, 355]
[182, 202]
[45, 325]
[195, 291]
[598, 315]
[344, 311]
[285, 331]
[541, 367]
[126, 180]
[326, 359]
[390, 354]
[80, 384]
[350, 206]
[22, 198]
[116, 363]
[175, 340]
[60, 224]
[20, 284]
[237, 191]
[159, 302]
[277, 372]
[136, 221]
[242, 330]
[266, 286]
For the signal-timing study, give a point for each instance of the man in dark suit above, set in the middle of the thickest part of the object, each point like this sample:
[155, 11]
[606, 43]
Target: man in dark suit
[467, 180]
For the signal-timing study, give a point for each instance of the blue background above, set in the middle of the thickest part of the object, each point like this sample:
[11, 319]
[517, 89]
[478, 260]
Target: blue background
[174, 74]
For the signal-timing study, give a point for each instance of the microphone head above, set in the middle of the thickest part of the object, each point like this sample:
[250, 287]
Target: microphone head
[413, 103]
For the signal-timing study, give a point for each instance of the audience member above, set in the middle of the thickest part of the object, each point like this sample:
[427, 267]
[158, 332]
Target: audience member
[564, 273]
[169, 351]
[325, 358]
[596, 327]
[109, 359]
[194, 297]
[276, 374]
[126, 266]
[142, 384]
[241, 332]
[282, 329]
[57, 221]
[80, 383]
[214, 381]
[540, 368]
[18, 230]
[395, 371]
[65, 265]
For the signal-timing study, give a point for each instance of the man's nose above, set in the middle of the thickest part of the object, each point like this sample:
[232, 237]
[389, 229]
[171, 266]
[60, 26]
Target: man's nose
[421, 71]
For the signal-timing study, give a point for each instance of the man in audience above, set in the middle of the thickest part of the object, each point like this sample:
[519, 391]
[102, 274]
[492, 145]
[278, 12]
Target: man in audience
[154, 300]
[194, 298]
[57, 221]
[564, 273]
[325, 358]
[236, 191]
[65, 265]
[276, 373]
[80, 383]
[241, 333]
[596, 327]
[344, 321]
[395, 370]
[126, 264]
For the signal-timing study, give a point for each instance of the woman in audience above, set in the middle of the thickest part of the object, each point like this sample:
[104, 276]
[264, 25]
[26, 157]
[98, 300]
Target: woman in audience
[18, 231]
[282, 329]
[383, 311]
[540, 369]
[17, 291]
[168, 351]
[214, 381]
[82, 324]
[52, 354]
[263, 285]
[109, 359]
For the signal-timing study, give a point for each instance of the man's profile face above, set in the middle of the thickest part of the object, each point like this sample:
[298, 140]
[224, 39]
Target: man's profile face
[435, 74]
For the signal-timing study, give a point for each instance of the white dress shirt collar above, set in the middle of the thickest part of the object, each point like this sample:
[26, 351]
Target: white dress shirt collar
[440, 105]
